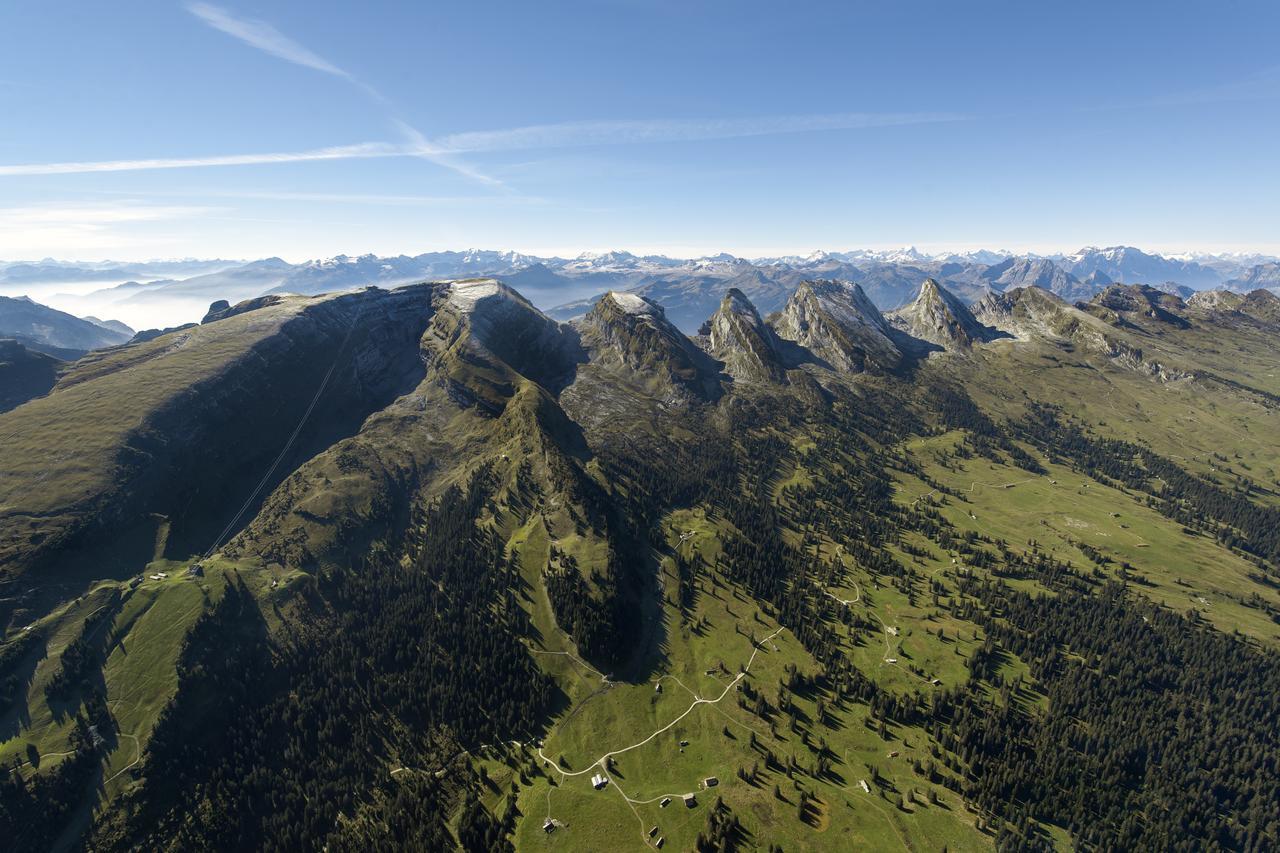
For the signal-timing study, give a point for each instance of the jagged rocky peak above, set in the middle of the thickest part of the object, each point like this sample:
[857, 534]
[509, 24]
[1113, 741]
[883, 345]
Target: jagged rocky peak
[836, 322]
[1138, 297]
[1038, 272]
[737, 303]
[628, 332]
[1118, 303]
[1027, 301]
[1259, 304]
[938, 317]
[1029, 312]
[1098, 279]
[1216, 300]
[493, 326]
[620, 314]
[737, 336]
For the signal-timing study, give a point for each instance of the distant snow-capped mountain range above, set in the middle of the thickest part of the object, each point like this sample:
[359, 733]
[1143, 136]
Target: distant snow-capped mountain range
[164, 293]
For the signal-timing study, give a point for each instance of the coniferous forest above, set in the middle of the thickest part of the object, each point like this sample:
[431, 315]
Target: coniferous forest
[580, 570]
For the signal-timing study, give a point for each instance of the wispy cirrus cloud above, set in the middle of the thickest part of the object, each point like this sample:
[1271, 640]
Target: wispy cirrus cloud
[566, 134]
[362, 150]
[90, 214]
[373, 199]
[264, 37]
[445, 151]
[631, 132]
[420, 146]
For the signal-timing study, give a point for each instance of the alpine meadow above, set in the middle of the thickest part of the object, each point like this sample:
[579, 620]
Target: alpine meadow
[715, 544]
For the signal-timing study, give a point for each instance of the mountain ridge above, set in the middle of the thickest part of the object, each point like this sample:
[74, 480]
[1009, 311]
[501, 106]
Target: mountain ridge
[56, 332]
[689, 288]
[435, 529]
[738, 336]
[838, 323]
[938, 317]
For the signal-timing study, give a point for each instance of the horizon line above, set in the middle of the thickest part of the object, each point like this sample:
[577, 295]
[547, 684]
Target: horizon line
[928, 252]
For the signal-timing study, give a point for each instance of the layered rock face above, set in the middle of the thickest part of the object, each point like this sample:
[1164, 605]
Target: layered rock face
[838, 324]
[739, 337]
[940, 318]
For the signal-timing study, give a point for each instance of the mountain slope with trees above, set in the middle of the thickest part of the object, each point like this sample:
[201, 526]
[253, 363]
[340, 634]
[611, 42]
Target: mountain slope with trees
[427, 568]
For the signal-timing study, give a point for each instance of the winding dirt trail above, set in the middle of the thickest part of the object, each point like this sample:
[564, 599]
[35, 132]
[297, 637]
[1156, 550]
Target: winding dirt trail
[603, 678]
[45, 755]
[603, 761]
[845, 601]
[600, 762]
[137, 745]
[888, 632]
[977, 483]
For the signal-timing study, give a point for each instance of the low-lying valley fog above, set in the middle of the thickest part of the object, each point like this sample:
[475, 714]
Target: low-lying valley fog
[99, 299]
[639, 425]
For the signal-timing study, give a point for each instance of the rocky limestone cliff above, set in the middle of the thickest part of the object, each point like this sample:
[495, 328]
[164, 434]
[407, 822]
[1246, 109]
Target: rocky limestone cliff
[1216, 300]
[1119, 303]
[739, 337]
[838, 324]
[485, 337]
[1261, 305]
[1030, 312]
[184, 426]
[630, 335]
[937, 316]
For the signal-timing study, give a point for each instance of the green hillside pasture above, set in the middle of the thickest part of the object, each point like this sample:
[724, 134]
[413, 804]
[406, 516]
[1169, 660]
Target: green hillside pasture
[138, 670]
[1186, 421]
[621, 716]
[1062, 510]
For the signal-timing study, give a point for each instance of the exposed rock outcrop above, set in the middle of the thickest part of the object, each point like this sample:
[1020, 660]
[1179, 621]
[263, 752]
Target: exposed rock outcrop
[630, 334]
[482, 328]
[739, 337]
[838, 324]
[939, 317]
[1261, 305]
[24, 374]
[1029, 312]
[1117, 303]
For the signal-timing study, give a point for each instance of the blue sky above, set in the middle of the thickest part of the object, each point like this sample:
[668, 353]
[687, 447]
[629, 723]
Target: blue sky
[139, 129]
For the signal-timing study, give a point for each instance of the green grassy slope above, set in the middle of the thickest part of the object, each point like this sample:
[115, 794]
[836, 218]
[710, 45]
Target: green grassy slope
[172, 433]
[1063, 510]
[703, 652]
[24, 374]
[134, 656]
[786, 576]
[1215, 422]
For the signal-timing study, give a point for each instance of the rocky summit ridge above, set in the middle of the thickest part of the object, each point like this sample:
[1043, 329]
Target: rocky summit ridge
[938, 317]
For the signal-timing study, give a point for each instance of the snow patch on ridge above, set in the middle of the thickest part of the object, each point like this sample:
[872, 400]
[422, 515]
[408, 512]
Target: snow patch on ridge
[631, 303]
[465, 295]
